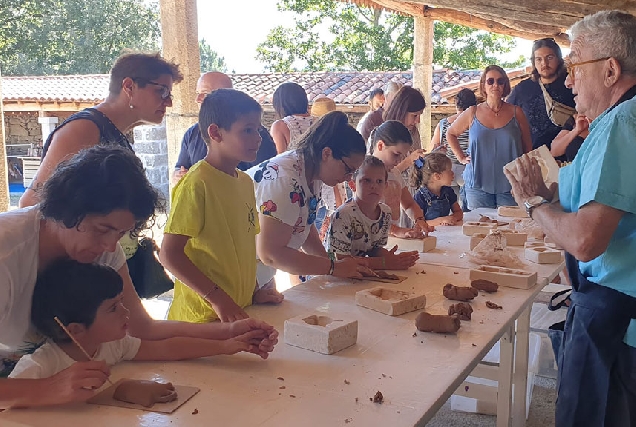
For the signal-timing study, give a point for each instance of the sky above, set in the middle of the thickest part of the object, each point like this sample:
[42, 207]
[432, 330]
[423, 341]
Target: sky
[235, 28]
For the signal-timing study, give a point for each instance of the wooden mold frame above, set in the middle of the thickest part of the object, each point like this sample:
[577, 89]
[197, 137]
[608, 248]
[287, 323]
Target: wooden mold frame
[390, 301]
[509, 277]
[473, 227]
[542, 254]
[426, 244]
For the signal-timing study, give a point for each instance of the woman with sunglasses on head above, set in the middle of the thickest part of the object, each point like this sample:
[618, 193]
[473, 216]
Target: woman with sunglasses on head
[498, 133]
[288, 189]
[138, 93]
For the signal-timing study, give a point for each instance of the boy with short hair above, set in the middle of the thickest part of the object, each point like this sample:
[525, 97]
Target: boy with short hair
[88, 300]
[209, 240]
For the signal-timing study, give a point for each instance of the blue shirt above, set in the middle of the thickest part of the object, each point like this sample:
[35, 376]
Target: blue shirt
[603, 171]
[193, 149]
[435, 206]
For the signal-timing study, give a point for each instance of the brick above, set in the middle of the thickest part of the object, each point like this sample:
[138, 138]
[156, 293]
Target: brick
[503, 276]
[320, 333]
[390, 301]
[421, 245]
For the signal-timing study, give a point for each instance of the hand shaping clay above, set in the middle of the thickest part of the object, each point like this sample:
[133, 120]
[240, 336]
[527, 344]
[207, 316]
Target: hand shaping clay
[459, 293]
[440, 323]
[462, 309]
[484, 285]
[145, 393]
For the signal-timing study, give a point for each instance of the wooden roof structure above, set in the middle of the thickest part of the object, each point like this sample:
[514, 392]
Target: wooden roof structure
[528, 19]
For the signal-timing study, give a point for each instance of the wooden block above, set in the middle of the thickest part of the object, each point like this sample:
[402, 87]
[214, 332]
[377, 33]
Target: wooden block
[512, 212]
[390, 301]
[475, 239]
[539, 244]
[321, 334]
[503, 276]
[470, 228]
[514, 238]
[426, 244]
[543, 255]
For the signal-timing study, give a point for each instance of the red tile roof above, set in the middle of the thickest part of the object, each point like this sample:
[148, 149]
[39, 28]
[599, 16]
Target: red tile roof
[348, 88]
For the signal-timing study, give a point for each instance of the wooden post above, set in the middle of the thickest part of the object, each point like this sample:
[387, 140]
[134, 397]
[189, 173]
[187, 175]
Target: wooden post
[4, 177]
[423, 71]
[180, 43]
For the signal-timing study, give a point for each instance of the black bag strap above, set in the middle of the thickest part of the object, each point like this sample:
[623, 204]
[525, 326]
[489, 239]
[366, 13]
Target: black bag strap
[560, 304]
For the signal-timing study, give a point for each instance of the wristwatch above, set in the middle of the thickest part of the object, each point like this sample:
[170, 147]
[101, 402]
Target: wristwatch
[532, 203]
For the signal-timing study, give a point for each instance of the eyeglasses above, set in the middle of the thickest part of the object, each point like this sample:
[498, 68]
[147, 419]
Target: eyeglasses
[500, 81]
[348, 169]
[165, 90]
[570, 67]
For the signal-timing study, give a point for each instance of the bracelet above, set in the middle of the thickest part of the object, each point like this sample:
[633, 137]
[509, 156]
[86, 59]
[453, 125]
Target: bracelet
[383, 262]
[207, 294]
[332, 267]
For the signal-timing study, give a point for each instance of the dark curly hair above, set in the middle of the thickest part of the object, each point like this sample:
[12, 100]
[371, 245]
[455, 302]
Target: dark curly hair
[465, 98]
[72, 292]
[98, 181]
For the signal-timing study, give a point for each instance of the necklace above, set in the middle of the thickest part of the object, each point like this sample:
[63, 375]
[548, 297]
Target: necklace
[493, 110]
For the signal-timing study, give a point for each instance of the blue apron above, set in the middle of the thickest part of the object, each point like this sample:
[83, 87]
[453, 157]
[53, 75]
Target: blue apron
[595, 326]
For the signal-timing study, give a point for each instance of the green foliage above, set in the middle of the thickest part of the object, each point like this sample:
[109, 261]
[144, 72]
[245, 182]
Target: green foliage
[210, 60]
[40, 37]
[368, 39]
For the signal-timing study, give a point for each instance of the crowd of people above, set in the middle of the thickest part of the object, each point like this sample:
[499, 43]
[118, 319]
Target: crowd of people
[316, 196]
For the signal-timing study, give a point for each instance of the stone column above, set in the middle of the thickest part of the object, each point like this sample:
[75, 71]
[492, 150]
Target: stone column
[180, 43]
[48, 125]
[151, 147]
[4, 178]
[423, 70]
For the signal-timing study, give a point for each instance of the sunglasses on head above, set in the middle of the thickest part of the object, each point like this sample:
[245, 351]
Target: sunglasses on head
[500, 81]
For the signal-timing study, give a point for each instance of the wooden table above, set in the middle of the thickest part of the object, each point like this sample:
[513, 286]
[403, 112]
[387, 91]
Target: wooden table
[416, 372]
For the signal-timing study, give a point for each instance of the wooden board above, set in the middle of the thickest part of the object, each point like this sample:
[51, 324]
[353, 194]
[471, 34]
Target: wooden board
[105, 397]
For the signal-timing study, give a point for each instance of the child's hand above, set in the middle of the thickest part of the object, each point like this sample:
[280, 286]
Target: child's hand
[228, 310]
[252, 342]
[401, 261]
[74, 384]
[349, 267]
[145, 393]
[407, 233]
[448, 220]
[423, 226]
[265, 336]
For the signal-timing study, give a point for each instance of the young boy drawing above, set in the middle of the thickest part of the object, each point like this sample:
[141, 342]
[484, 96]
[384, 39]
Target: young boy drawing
[88, 300]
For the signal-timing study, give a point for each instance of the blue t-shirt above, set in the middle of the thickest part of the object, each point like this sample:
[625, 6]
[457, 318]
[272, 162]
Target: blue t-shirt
[435, 206]
[603, 171]
[193, 149]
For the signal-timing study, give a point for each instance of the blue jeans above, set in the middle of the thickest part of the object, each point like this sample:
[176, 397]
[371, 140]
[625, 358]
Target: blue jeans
[480, 199]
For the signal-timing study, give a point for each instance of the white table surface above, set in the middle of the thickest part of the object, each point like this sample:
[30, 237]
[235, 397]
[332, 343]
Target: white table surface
[416, 375]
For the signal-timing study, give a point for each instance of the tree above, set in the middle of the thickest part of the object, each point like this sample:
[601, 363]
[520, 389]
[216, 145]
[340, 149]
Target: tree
[74, 36]
[369, 39]
[210, 60]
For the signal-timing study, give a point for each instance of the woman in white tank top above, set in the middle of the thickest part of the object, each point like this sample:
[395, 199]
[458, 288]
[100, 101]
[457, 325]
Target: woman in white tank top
[291, 106]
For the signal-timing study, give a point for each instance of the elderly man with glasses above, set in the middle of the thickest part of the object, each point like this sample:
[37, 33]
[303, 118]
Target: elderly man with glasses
[596, 224]
[548, 69]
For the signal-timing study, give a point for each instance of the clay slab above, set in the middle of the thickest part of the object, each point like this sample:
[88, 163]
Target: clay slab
[426, 244]
[390, 301]
[503, 276]
[512, 212]
[320, 333]
[470, 228]
[543, 255]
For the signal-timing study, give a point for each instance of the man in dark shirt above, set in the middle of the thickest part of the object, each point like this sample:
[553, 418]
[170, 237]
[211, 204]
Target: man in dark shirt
[547, 66]
[193, 146]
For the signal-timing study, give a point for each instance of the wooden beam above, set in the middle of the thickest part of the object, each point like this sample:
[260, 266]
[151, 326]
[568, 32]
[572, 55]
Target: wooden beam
[46, 106]
[531, 32]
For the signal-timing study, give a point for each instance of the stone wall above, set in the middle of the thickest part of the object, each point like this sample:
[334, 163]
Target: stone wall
[22, 128]
[151, 146]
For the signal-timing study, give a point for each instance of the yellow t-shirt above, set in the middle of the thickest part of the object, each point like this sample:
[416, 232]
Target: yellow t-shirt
[218, 213]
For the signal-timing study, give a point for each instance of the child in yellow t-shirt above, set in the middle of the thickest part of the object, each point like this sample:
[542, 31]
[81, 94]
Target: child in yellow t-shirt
[209, 240]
